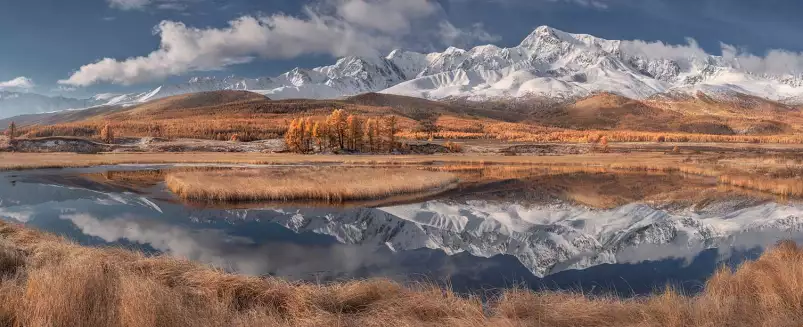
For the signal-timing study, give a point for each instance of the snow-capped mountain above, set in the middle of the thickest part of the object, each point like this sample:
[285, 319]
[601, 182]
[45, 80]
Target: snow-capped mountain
[18, 103]
[548, 63]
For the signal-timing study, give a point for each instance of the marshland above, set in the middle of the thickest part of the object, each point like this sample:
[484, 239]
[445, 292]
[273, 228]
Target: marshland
[548, 244]
[687, 236]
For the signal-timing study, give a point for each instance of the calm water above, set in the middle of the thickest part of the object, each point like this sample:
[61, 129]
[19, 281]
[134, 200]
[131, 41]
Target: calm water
[582, 231]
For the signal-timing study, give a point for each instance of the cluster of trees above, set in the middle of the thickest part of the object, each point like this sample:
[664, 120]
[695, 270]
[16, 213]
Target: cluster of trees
[342, 131]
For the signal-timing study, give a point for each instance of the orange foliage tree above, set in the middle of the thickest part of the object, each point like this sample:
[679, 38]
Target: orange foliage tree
[107, 134]
[341, 131]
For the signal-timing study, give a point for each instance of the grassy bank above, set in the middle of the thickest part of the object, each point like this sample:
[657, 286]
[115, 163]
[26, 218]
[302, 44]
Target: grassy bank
[327, 184]
[47, 281]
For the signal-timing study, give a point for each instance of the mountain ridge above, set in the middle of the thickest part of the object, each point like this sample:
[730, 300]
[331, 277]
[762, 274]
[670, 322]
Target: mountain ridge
[548, 63]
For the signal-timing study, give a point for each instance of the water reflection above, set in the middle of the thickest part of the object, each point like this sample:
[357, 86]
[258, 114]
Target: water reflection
[576, 230]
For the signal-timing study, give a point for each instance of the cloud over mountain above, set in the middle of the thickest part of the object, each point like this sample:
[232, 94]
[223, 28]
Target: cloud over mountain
[335, 27]
[20, 83]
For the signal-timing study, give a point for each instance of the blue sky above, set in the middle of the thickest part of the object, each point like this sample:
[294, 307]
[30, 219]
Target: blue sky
[47, 41]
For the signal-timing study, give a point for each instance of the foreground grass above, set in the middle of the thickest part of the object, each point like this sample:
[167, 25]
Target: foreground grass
[327, 184]
[47, 281]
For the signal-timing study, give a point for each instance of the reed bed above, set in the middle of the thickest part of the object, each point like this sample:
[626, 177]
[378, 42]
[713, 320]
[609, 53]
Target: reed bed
[48, 281]
[329, 184]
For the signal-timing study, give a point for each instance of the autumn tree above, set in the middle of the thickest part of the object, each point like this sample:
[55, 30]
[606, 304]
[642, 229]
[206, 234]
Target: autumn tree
[293, 136]
[319, 135]
[354, 132]
[390, 128]
[338, 126]
[429, 125]
[306, 135]
[107, 134]
[372, 134]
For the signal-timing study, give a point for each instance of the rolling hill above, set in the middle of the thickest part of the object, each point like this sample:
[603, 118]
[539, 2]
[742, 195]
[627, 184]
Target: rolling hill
[250, 116]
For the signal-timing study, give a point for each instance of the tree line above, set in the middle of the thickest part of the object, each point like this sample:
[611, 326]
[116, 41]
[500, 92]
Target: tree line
[342, 132]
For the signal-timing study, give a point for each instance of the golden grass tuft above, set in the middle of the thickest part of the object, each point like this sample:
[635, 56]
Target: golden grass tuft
[47, 281]
[328, 184]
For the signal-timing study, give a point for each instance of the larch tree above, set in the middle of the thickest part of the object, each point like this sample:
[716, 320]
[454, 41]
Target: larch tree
[371, 134]
[307, 135]
[107, 134]
[354, 130]
[337, 126]
[390, 127]
[293, 136]
[318, 135]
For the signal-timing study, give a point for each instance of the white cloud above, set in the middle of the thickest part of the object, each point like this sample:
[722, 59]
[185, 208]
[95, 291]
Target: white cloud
[774, 62]
[454, 36]
[386, 16]
[336, 27]
[22, 83]
[129, 4]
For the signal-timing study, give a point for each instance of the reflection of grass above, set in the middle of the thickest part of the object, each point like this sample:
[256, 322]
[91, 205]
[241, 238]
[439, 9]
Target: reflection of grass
[740, 169]
[780, 186]
[62, 160]
[329, 184]
[49, 282]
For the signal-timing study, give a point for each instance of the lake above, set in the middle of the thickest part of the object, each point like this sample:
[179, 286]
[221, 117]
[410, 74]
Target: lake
[627, 233]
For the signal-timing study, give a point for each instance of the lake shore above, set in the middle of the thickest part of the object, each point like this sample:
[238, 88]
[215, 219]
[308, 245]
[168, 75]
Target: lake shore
[51, 281]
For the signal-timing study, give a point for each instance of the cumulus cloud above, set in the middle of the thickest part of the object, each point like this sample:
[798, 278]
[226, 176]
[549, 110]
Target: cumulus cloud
[386, 16]
[773, 62]
[336, 27]
[21, 83]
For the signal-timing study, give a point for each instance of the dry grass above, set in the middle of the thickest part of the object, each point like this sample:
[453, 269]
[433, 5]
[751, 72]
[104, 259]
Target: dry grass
[328, 184]
[47, 281]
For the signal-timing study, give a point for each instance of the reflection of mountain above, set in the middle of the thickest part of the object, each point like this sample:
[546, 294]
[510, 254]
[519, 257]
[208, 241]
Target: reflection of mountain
[546, 238]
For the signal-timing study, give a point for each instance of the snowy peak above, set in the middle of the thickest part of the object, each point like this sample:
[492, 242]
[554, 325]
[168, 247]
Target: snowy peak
[547, 63]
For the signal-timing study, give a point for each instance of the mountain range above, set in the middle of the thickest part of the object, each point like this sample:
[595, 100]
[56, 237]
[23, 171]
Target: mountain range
[548, 63]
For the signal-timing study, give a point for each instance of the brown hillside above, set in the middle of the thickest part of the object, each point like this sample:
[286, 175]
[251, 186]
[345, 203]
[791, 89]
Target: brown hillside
[226, 115]
[195, 100]
[608, 111]
[417, 108]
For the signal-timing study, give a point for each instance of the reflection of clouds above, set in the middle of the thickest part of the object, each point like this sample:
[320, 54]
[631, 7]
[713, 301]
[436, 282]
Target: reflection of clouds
[235, 253]
[551, 238]
[20, 214]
